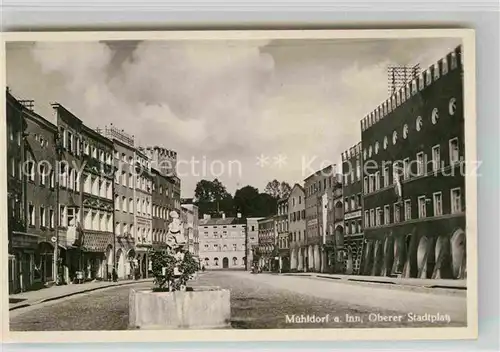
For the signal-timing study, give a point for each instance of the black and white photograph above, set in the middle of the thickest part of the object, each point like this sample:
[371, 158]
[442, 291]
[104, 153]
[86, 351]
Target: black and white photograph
[241, 180]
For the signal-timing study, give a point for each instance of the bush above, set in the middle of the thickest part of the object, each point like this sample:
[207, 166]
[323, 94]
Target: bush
[166, 281]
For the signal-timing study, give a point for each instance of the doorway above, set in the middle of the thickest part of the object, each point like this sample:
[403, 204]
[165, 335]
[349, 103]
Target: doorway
[225, 263]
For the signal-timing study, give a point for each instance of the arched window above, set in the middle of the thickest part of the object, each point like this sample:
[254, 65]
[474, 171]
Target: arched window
[235, 261]
[419, 123]
[216, 261]
[405, 131]
[435, 116]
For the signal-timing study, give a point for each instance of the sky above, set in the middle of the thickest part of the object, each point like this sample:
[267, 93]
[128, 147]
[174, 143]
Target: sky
[245, 112]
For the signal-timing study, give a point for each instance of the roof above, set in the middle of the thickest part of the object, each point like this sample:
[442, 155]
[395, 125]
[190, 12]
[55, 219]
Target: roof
[329, 167]
[221, 221]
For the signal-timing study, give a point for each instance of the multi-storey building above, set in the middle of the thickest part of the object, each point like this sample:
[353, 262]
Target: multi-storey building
[163, 160]
[283, 242]
[222, 242]
[69, 213]
[336, 226]
[98, 205]
[161, 208]
[297, 227]
[192, 229]
[252, 241]
[268, 240]
[318, 189]
[31, 155]
[21, 245]
[143, 215]
[352, 164]
[413, 177]
[124, 204]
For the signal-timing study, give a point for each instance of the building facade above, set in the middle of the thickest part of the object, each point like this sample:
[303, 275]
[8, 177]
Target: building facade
[192, 229]
[69, 213]
[97, 202]
[252, 241]
[162, 159]
[268, 241]
[124, 204]
[161, 208]
[352, 164]
[297, 228]
[32, 202]
[283, 243]
[414, 203]
[318, 189]
[222, 243]
[143, 216]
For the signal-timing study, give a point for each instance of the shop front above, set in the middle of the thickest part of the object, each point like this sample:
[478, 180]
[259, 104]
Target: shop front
[96, 256]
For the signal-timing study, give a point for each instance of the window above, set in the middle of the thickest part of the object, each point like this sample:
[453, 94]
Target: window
[428, 77]
[386, 142]
[353, 203]
[234, 247]
[434, 116]
[407, 209]
[419, 123]
[377, 180]
[42, 175]
[386, 215]
[365, 187]
[367, 219]
[453, 61]
[378, 220]
[31, 169]
[71, 217]
[422, 213]
[31, 215]
[394, 137]
[43, 217]
[456, 201]
[386, 176]
[370, 152]
[364, 154]
[235, 261]
[70, 142]
[353, 227]
[397, 215]
[435, 68]
[62, 216]
[436, 158]
[371, 179]
[420, 164]
[372, 217]
[405, 131]
[406, 169]
[347, 229]
[437, 203]
[51, 218]
[346, 205]
[454, 155]
[358, 170]
[452, 106]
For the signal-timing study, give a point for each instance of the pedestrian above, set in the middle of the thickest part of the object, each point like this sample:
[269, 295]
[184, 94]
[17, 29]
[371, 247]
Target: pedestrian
[115, 275]
[203, 268]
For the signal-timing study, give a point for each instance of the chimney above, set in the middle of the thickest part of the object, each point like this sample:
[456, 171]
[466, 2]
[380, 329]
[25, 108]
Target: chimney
[238, 215]
[223, 215]
[206, 216]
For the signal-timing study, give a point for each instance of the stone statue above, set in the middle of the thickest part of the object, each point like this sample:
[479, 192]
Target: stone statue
[176, 241]
[175, 236]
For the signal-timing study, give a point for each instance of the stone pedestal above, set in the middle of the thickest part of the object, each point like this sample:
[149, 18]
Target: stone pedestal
[203, 308]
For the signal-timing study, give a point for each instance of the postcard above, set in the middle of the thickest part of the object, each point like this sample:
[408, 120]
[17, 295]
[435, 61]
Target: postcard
[256, 185]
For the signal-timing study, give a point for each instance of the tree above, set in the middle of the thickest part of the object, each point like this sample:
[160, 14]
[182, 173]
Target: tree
[246, 201]
[278, 189]
[211, 197]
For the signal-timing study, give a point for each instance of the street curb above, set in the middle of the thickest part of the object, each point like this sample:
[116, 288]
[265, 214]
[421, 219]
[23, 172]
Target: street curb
[74, 294]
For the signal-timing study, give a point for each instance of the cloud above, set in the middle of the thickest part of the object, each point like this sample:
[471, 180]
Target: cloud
[223, 100]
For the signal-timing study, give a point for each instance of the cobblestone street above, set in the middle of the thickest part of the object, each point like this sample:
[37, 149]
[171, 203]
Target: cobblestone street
[257, 302]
